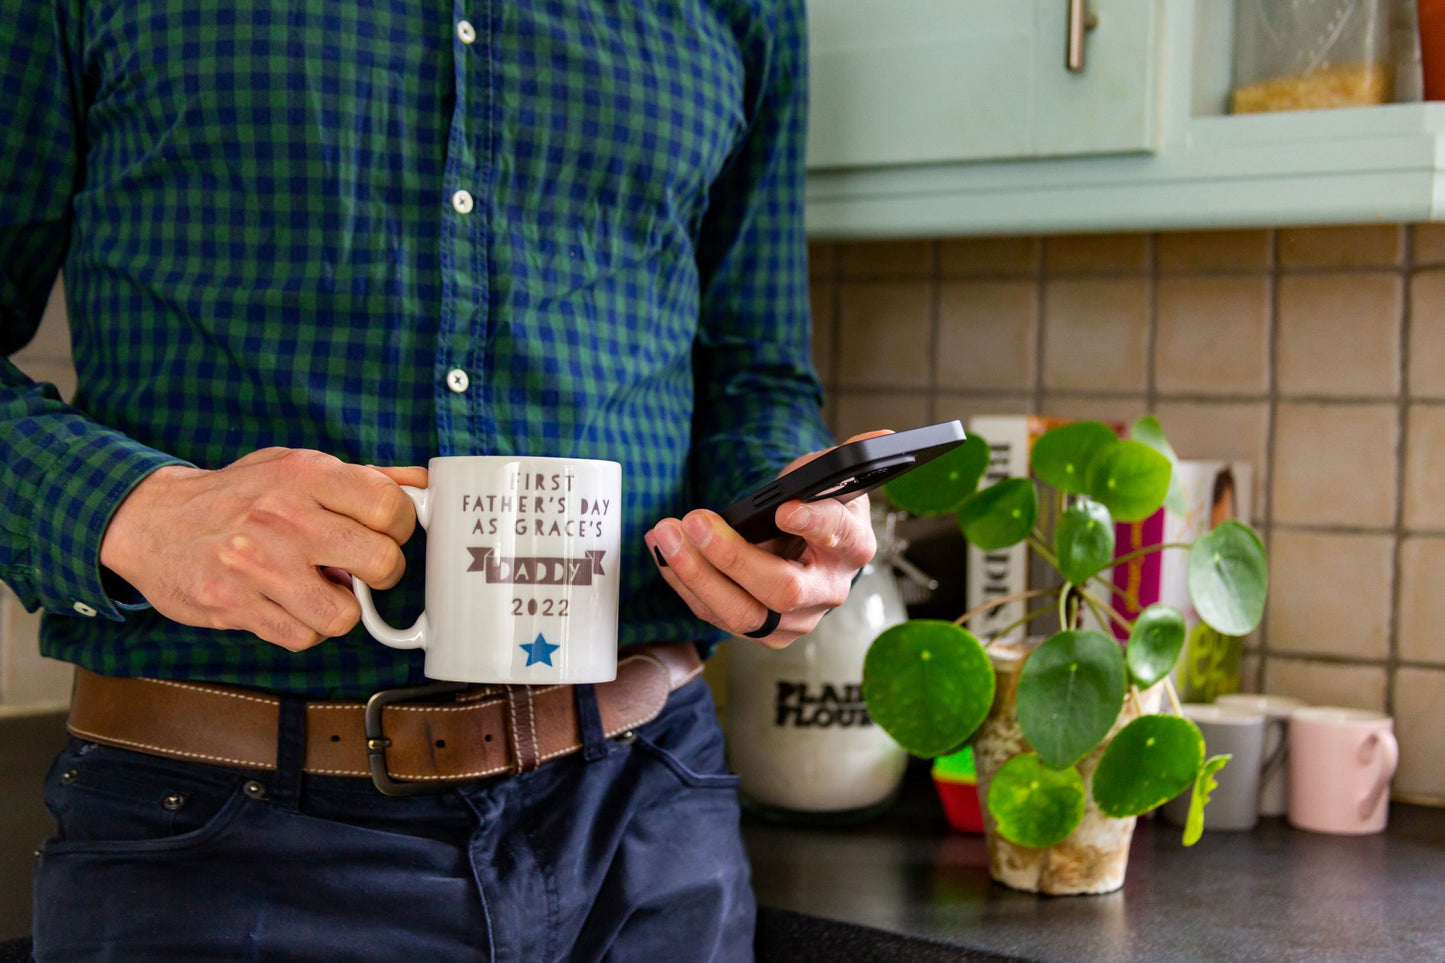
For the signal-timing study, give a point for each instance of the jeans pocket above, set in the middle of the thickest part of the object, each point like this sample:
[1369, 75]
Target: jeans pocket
[685, 772]
[687, 739]
[113, 800]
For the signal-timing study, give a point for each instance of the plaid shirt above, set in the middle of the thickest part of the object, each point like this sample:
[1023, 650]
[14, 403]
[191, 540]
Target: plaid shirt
[391, 230]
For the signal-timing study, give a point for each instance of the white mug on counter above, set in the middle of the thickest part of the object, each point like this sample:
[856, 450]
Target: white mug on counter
[1274, 768]
[1238, 732]
[521, 570]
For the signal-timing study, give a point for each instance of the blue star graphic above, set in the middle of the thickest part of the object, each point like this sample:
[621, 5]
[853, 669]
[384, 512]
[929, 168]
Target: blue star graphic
[539, 651]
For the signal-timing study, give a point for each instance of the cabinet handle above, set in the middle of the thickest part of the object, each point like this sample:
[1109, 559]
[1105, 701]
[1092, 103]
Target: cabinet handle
[1081, 20]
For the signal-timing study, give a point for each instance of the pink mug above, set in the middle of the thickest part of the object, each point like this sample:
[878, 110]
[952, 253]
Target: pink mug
[1340, 765]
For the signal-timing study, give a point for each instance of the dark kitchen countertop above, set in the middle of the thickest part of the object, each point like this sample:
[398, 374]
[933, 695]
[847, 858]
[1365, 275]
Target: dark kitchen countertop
[905, 887]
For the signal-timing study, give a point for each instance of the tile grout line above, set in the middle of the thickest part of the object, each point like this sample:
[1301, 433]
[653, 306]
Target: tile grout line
[1402, 427]
[1270, 440]
[1185, 397]
[1036, 390]
[935, 326]
[1151, 331]
[835, 332]
[1355, 661]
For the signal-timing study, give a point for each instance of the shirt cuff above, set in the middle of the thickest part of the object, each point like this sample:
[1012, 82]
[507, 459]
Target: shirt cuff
[74, 505]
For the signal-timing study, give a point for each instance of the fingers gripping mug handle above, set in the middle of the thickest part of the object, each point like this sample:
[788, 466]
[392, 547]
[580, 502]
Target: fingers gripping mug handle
[380, 629]
[1387, 751]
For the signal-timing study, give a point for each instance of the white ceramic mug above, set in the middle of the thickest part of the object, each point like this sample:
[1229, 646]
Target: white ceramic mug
[1234, 804]
[1274, 771]
[1341, 763]
[521, 570]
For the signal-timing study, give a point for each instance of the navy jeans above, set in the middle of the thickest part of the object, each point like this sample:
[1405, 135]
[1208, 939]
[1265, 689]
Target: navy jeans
[630, 851]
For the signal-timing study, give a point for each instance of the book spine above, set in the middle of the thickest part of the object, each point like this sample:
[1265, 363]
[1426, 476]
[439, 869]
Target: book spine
[996, 574]
[1138, 582]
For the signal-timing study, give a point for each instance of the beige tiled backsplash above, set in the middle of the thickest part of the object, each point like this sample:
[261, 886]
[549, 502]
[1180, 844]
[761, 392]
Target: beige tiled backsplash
[1316, 354]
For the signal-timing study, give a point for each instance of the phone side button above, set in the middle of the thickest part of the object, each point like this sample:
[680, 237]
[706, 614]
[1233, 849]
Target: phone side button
[766, 495]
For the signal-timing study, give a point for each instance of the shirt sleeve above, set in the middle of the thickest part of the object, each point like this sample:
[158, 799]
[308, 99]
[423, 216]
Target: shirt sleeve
[759, 401]
[61, 474]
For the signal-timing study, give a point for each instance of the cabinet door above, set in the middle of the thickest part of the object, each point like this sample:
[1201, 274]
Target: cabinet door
[934, 81]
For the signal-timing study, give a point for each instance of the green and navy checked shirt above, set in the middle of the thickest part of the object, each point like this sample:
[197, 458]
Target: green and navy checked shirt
[390, 230]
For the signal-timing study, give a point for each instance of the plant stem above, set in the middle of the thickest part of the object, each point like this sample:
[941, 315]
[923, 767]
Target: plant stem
[1134, 694]
[1173, 696]
[1123, 593]
[1016, 623]
[1001, 600]
[1149, 549]
[1100, 611]
[1064, 606]
[1109, 611]
[1043, 550]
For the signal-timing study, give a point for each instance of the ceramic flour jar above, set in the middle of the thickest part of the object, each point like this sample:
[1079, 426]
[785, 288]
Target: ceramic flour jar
[799, 735]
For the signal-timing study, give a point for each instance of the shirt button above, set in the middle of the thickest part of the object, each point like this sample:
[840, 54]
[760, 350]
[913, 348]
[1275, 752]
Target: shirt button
[84, 610]
[466, 33]
[462, 201]
[457, 380]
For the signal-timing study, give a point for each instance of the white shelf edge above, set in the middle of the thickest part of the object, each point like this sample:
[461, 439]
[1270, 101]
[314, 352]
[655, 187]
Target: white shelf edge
[1383, 164]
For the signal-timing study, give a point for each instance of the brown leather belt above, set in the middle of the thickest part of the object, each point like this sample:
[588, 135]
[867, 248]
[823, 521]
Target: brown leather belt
[403, 745]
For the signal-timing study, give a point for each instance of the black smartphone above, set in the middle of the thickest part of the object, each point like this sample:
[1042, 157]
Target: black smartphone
[843, 473]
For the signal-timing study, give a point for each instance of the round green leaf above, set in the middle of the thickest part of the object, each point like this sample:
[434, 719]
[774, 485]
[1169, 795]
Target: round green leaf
[1062, 455]
[939, 486]
[1150, 432]
[1000, 515]
[1069, 694]
[1032, 805]
[1155, 644]
[1149, 762]
[928, 684]
[1084, 540]
[1131, 479]
[1229, 577]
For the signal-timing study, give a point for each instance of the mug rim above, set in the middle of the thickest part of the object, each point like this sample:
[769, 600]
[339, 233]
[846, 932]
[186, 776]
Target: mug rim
[1226, 715]
[493, 459]
[1341, 715]
[1269, 704]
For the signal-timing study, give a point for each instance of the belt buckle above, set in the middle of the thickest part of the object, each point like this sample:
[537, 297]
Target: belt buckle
[377, 742]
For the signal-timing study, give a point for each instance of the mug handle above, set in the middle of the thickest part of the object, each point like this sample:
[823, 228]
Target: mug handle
[1388, 753]
[1280, 756]
[381, 630]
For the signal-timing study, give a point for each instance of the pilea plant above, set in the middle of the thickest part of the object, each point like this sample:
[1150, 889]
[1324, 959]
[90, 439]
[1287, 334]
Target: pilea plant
[930, 683]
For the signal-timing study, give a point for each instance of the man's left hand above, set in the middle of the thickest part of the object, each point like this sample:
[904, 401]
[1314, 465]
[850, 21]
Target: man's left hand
[801, 576]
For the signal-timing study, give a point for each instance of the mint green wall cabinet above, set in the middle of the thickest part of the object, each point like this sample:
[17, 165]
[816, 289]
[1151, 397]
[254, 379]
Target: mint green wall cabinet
[926, 81]
[958, 117]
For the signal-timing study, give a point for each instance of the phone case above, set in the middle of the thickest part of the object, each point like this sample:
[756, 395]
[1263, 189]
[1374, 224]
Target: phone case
[843, 473]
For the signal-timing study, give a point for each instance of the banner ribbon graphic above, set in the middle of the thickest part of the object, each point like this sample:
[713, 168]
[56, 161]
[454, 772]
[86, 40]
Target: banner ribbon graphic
[536, 570]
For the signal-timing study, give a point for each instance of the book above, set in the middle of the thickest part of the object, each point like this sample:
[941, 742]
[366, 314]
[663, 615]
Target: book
[1212, 492]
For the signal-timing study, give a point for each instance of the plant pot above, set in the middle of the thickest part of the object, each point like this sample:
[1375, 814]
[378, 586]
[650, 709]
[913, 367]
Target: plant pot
[1095, 855]
[955, 778]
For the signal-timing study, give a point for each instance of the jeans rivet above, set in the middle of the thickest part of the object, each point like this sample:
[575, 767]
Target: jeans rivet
[254, 789]
[627, 737]
[68, 777]
[173, 801]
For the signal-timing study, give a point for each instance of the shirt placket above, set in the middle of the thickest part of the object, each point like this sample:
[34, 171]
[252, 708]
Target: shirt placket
[464, 425]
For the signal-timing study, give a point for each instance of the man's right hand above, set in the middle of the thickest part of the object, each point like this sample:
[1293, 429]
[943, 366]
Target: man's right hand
[259, 545]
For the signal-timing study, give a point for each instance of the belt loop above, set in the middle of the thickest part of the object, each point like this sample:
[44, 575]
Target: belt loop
[589, 720]
[522, 726]
[290, 752]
